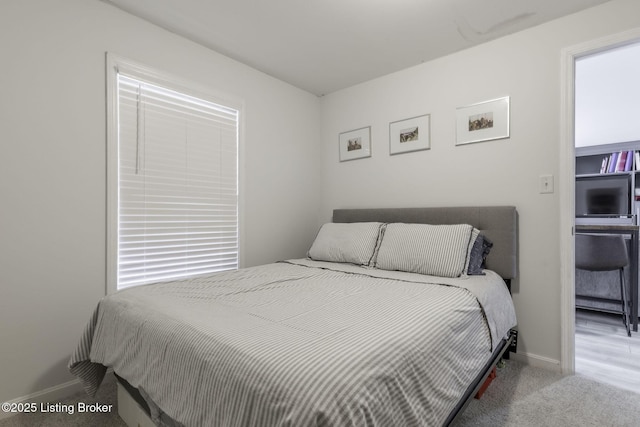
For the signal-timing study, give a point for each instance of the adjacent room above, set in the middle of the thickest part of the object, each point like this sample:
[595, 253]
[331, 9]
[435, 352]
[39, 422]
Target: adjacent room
[363, 159]
[607, 194]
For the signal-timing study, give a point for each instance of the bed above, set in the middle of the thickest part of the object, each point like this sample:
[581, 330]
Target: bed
[362, 332]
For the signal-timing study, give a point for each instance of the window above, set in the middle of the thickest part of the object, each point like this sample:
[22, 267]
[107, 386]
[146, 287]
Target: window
[173, 179]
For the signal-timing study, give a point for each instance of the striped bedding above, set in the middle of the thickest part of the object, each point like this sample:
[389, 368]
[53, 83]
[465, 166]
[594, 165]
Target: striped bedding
[299, 343]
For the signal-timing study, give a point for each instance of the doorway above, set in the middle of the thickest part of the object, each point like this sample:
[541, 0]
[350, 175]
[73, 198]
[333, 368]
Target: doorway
[567, 184]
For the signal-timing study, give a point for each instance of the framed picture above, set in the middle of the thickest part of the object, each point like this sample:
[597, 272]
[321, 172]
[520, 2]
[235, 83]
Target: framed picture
[483, 122]
[409, 135]
[355, 144]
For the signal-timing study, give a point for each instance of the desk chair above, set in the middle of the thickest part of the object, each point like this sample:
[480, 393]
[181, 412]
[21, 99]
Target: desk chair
[605, 253]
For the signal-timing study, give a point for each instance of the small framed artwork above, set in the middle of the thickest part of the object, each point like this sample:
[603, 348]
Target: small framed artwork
[409, 135]
[484, 121]
[355, 144]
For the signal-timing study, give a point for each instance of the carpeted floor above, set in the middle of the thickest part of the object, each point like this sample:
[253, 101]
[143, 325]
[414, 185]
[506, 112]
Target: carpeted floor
[520, 396]
[523, 396]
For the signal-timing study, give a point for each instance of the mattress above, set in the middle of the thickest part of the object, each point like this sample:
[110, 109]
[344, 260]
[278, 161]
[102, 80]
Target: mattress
[299, 343]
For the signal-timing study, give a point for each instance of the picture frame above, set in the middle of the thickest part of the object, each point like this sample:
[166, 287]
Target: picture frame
[484, 121]
[410, 135]
[355, 144]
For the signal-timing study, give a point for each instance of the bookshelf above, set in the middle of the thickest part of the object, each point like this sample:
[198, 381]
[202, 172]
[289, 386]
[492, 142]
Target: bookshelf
[595, 162]
[589, 159]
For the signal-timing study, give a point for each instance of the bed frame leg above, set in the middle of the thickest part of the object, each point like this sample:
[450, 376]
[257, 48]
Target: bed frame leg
[486, 383]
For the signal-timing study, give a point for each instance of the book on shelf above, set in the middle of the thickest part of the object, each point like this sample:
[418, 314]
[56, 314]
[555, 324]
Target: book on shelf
[605, 163]
[621, 161]
[613, 162]
[629, 162]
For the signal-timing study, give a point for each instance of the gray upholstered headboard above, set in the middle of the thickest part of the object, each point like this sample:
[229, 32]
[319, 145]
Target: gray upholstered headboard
[498, 223]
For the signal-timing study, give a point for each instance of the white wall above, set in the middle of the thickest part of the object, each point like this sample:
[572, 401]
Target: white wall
[53, 163]
[526, 66]
[608, 97]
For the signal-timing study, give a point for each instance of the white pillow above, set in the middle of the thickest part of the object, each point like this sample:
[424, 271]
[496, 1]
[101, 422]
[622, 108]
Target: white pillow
[436, 250]
[353, 242]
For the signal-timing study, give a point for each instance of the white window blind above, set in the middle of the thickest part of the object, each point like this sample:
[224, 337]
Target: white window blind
[177, 213]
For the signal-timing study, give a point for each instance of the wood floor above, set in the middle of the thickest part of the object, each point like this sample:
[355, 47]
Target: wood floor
[604, 352]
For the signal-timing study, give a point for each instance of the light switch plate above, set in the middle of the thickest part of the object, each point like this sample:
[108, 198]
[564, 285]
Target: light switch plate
[546, 184]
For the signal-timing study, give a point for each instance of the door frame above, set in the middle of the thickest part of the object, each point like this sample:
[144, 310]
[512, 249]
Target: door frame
[567, 183]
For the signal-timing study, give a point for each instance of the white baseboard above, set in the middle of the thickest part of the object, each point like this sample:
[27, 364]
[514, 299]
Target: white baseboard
[537, 361]
[53, 394]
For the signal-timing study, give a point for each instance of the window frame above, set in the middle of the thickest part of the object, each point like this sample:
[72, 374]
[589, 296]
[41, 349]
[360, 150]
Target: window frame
[114, 65]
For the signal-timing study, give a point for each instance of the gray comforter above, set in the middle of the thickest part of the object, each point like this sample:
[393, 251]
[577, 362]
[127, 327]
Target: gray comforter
[299, 343]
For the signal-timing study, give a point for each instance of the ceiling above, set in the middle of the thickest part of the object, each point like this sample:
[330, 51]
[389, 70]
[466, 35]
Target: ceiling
[325, 45]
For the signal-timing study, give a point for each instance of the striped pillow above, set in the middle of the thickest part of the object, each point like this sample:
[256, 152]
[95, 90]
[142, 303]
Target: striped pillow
[436, 250]
[353, 243]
